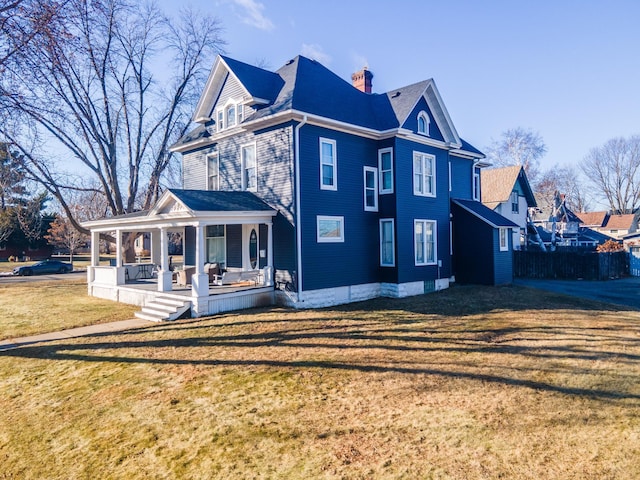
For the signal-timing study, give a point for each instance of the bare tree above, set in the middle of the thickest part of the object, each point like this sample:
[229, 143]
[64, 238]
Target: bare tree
[111, 93]
[30, 217]
[614, 171]
[518, 146]
[567, 181]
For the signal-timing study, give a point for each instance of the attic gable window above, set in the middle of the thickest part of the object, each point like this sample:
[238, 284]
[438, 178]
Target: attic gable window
[230, 115]
[423, 123]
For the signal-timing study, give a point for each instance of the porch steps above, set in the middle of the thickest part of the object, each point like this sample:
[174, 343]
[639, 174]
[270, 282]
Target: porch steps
[163, 309]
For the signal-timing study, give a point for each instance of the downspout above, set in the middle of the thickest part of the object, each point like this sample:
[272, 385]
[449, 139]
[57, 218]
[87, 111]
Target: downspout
[298, 221]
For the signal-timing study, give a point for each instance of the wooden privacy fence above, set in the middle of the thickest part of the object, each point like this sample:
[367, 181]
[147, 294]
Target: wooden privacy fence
[570, 265]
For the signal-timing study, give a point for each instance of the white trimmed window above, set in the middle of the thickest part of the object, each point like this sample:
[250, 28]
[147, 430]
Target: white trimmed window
[423, 123]
[385, 166]
[425, 245]
[476, 183]
[220, 121]
[328, 165]
[504, 239]
[249, 167]
[370, 189]
[330, 229]
[216, 244]
[213, 171]
[424, 174]
[231, 115]
[387, 243]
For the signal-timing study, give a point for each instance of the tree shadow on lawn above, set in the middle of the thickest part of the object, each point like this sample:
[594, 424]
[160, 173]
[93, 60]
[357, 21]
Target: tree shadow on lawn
[382, 346]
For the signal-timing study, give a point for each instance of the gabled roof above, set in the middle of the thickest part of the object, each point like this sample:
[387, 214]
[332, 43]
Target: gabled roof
[619, 222]
[498, 183]
[305, 86]
[485, 214]
[595, 219]
[210, 201]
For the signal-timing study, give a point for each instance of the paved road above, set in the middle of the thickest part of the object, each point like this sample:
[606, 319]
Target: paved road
[81, 275]
[624, 291]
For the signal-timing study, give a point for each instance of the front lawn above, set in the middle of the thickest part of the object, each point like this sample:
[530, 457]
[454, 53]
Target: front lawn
[471, 382]
[42, 306]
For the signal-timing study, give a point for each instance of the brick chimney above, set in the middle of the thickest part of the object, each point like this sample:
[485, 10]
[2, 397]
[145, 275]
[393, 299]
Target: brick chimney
[362, 80]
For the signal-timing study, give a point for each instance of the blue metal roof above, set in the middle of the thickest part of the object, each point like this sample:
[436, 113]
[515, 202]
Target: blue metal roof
[485, 214]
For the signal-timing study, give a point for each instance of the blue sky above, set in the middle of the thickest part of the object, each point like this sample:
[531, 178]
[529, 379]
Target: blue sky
[569, 70]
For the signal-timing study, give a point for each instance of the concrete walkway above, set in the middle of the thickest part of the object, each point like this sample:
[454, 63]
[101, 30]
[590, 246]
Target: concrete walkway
[75, 332]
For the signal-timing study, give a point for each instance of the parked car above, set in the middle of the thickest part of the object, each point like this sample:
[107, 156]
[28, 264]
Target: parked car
[43, 267]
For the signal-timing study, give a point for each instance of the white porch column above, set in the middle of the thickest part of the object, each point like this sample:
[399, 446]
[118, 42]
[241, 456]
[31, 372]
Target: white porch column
[156, 247]
[164, 275]
[95, 258]
[268, 270]
[121, 271]
[200, 280]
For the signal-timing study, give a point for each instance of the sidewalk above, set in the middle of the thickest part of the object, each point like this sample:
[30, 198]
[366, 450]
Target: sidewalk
[74, 332]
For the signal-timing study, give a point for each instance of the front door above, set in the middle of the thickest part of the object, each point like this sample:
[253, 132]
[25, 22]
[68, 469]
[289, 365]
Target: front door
[250, 250]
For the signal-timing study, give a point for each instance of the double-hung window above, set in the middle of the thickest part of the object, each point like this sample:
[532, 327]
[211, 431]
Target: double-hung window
[387, 243]
[476, 183]
[424, 174]
[385, 166]
[328, 165]
[216, 245]
[425, 244]
[515, 207]
[220, 120]
[231, 116]
[213, 171]
[370, 189]
[249, 167]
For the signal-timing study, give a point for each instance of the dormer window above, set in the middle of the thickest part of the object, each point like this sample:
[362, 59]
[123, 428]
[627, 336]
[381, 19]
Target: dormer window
[423, 123]
[230, 115]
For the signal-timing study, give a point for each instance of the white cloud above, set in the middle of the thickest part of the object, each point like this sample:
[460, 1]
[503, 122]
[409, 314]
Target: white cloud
[315, 52]
[253, 14]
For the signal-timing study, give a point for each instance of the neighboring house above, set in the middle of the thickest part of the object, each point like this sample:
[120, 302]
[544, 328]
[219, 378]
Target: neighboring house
[612, 225]
[333, 194]
[507, 191]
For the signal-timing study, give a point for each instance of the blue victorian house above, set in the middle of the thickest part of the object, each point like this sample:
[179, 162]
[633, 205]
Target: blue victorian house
[303, 189]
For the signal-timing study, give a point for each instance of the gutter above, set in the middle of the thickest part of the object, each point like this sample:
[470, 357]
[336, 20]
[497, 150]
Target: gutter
[298, 221]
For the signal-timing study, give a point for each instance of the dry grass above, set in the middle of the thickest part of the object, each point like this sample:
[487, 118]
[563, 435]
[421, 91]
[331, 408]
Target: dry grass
[467, 383]
[40, 307]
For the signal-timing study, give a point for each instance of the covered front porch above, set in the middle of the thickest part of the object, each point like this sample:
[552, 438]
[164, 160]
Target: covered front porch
[227, 256]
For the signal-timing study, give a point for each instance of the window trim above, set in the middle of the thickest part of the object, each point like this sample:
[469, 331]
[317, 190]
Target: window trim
[427, 124]
[220, 120]
[224, 237]
[476, 183]
[334, 185]
[503, 234]
[393, 242]
[216, 156]
[423, 156]
[381, 171]
[435, 243]
[243, 180]
[374, 207]
[330, 218]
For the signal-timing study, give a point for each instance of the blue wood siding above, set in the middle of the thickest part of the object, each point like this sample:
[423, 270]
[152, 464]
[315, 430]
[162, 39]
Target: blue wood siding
[411, 207]
[461, 178]
[476, 250]
[262, 245]
[194, 169]
[412, 120]
[356, 260]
